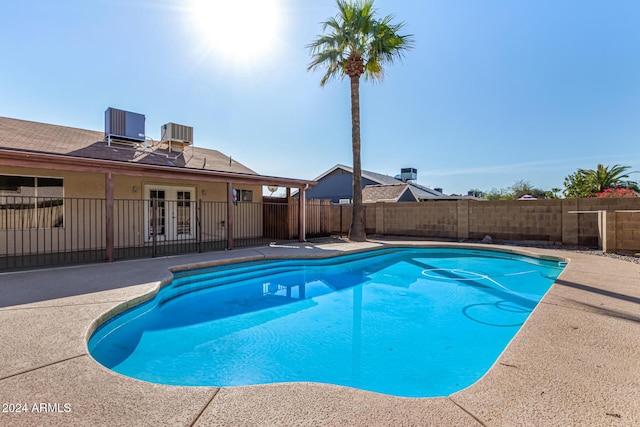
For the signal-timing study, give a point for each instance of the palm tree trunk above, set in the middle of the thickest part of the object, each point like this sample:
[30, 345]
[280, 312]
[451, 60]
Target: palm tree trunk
[357, 231]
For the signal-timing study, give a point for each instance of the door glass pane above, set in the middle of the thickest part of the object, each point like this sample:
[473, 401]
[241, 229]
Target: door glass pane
[184, 212]
[159, 196]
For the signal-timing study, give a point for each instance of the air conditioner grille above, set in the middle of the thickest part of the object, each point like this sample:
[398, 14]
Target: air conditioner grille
[176, 132]
[124, 125]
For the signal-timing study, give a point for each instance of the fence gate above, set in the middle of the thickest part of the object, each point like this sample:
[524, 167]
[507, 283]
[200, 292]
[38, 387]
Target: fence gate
[276, 219]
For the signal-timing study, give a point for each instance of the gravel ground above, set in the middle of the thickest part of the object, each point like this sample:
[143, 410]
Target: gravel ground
[630, 258]
[634, 258]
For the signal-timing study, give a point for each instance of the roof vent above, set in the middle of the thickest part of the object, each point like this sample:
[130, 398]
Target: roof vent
[124, 126]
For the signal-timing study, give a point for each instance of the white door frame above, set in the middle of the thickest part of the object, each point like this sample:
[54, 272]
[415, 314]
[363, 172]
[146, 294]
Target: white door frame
[170, 211]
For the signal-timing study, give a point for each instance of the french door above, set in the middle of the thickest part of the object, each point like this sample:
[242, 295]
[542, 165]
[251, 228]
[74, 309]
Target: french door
[170, 213]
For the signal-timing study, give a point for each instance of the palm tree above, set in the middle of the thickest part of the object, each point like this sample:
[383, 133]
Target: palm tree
[604, 177]
[356, 43]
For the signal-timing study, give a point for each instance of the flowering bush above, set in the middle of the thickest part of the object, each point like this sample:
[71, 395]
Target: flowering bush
[616, 192]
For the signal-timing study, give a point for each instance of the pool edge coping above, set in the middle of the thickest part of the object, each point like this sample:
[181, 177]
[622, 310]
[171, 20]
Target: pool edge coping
[122, 307]
[505, 398]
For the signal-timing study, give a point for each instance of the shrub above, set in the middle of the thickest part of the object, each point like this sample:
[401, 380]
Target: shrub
[616, 192]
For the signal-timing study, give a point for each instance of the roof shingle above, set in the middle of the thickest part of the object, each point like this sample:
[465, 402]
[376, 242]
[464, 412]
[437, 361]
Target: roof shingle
[46, 138]
[383, 193]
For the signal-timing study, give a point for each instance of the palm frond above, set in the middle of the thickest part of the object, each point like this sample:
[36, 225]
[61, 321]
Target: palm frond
[356, 33]
[604, 177]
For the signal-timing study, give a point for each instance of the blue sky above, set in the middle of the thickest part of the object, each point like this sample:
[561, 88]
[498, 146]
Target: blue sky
[495, 91]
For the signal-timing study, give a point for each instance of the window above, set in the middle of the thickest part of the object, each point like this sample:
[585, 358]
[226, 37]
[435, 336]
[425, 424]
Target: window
[17, 185]
[31, 202]
[245, 195]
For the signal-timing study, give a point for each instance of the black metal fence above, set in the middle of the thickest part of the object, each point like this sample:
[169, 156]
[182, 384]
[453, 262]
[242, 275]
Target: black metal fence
[37, 231]
[42, 231]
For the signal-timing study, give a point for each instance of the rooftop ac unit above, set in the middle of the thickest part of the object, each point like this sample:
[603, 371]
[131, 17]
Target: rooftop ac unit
[408, 174]
[172, 132]
[124, 125]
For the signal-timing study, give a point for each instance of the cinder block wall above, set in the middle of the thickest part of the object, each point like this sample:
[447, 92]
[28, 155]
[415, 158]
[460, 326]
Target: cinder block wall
[516, 220]
[628, 231]
[588, 223]
[539, 220]
[434, 219]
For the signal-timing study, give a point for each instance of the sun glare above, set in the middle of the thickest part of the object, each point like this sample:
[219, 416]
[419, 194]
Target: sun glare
[241, 32]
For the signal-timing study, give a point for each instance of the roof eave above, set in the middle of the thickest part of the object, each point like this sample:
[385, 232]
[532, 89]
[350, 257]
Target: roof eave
[17, 158]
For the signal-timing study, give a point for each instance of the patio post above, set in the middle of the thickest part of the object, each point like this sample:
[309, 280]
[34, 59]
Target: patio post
[301, 215]
[199, 214]
[229, 215]
[109, 215]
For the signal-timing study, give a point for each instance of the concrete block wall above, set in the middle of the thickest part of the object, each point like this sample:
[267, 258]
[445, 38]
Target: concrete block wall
[627, 231]
[371, 218]
[516, 220]
[433, 219]
[570, 222]
[588, 222]
[463, 219]
[539, 220]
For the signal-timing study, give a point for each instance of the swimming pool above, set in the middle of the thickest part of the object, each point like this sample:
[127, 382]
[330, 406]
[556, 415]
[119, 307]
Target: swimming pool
[400, 321]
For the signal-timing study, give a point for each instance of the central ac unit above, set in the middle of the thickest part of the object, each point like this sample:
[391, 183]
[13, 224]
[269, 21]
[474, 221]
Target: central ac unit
[124, 125]
[172, 132]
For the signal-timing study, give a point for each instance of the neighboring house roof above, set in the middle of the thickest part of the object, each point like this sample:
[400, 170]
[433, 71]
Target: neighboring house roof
[384, 193]
[373, 176]
[420, 192]
[424, 193]
[46, 138]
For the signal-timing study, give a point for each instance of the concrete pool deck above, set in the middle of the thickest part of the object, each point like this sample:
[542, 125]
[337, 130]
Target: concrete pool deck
[576, 361]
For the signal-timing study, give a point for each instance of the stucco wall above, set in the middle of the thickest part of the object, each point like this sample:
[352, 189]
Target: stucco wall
[92, 185]
[83, 213]
[76, 184]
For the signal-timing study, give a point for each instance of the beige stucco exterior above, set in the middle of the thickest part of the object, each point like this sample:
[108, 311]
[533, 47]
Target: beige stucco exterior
[85, 206]
[92, 185]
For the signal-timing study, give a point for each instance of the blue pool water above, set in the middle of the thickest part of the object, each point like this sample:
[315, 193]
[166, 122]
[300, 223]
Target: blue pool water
[404, 322]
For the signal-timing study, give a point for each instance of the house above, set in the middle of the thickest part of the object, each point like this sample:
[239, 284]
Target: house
[65, 189]
[336, 184]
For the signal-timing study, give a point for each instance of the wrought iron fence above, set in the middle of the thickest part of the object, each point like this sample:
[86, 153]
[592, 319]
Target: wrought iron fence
[37, 231]
[54, 231]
